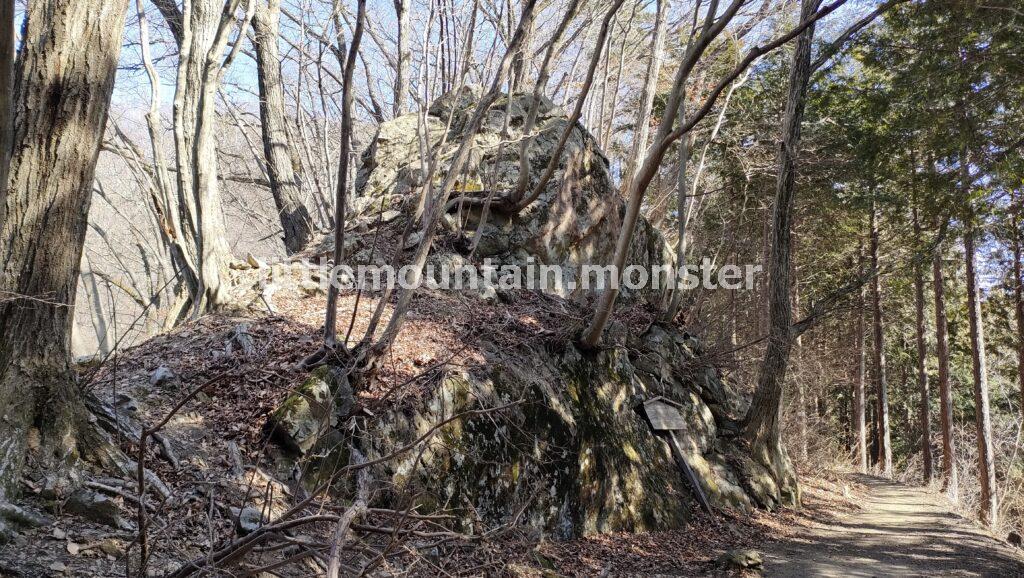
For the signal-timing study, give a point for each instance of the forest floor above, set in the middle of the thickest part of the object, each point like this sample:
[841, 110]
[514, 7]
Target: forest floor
[848, 525]
[896, 530]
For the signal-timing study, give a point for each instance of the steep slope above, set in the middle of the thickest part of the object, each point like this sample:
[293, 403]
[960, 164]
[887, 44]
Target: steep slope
[533, 430]
[483, 416]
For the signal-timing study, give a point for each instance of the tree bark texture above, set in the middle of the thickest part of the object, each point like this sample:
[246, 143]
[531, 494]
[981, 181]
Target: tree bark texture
[404, 56]
[762, 420]
[62, 87]
[949, 473]
[284, 183]
[859, 397]
[922, 354]
[6, 81]
[206, 25]
[983, 420]
[881, 384]
[1018, 299]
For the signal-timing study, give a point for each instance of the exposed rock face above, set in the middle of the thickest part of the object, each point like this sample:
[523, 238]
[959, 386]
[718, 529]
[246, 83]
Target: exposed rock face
[547, 436]
[571, 451]
[553, 439]
[576, 219]
[314, 409]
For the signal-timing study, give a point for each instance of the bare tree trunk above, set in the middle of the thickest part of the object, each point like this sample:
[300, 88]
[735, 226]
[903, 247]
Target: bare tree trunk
[922, 353]
[98, 316]
[62, 93]
[761, 426]
[859, 401]
[341, 194]
[643, 116]
[284, 184]
[949, 473]
[609, 127]
[519, 61]
[165, 206]
[682, 214]
[986, 463]
[881, 385]
[201, 64]
[597, 125]
[403, 57]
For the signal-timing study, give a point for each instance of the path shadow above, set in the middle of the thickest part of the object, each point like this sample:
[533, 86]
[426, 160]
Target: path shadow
[899, 531]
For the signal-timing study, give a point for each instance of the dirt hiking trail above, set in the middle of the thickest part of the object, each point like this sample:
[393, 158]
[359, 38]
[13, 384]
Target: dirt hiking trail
[900, 531]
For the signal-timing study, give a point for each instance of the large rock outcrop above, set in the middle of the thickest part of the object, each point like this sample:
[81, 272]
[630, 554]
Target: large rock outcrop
[554, 438]
[540, 433]
[574, 222]
[572, 455]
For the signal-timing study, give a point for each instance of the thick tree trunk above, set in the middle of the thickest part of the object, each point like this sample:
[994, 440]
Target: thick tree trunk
[859, 400]
[206, 25]
[284, 184]
[922, 354]
[6, 95]
[62, 93]
[762, 421]
[949, 474]
[983, 420]
[881, 384]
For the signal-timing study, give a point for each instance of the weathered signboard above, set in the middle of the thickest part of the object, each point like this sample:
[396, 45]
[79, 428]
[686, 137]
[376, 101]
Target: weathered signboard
[663, 415]
[665, 418]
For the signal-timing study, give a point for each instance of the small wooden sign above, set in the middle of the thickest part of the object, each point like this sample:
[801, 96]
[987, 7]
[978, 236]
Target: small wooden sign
[663, 416]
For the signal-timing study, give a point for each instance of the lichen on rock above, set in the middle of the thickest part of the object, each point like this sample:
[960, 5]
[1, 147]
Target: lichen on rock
[542, 435]
[312, 410]
[573, 222]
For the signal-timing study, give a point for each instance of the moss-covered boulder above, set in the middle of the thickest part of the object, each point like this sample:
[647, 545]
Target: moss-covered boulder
[554, 440]
[575, 220]
[547, 436]
[311, 411]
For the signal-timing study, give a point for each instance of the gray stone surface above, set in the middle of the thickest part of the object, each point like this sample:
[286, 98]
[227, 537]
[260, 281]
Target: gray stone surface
[576, 219]
[570, 456]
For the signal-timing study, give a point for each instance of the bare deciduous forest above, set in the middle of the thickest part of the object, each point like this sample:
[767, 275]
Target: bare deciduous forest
[242, 330]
